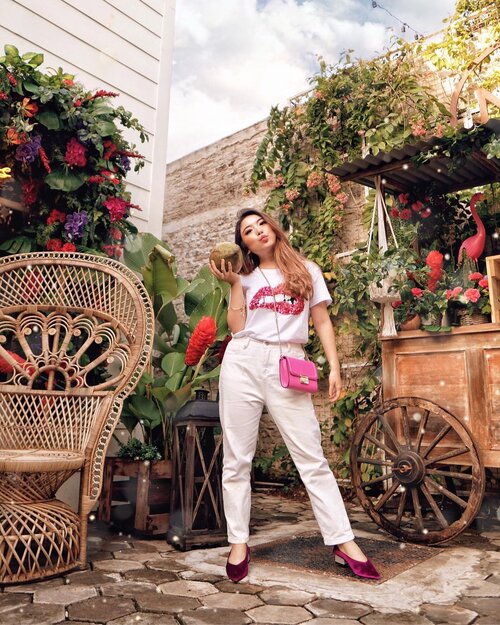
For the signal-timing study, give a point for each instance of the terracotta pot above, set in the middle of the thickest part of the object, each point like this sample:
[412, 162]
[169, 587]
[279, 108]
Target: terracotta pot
[413, 323]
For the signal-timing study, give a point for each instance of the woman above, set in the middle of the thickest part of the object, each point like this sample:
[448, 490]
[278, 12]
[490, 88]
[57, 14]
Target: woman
[277, 286]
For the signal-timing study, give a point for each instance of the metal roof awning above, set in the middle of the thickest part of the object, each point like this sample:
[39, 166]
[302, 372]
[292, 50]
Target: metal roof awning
[400, 174]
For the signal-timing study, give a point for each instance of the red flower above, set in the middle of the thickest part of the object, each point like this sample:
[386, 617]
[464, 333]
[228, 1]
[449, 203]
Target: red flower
[68, 247]
[203, 336]
[484, 282]
[54, 245]
[28, 109]
[426, 213]
[68, 82]
[116, 207]
[3, 95]
[116, 234]
[394, 212]
[417, 206]
[405, 214]
[45, 159]
[396, 304]
[110, 149]
[113, 251]
[12, 80]
[435, 259]
[77, 103]
[103, 94]
[30, 192]
[416, 292]
[222, 349]
[95, 179]
[6, 366]
[75, 153]
[403, 198]
[109, 175]
[472, 295]
[475, 276]
[14, 137]
[56, 215]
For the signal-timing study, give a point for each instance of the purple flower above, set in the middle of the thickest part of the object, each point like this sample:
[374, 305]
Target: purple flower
[124, 162]
[75, 225]
[27, 152]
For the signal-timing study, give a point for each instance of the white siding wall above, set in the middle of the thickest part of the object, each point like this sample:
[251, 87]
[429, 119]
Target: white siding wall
[121, 45]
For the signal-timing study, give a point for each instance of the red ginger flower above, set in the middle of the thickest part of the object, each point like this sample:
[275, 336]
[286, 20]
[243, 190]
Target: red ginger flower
[434, 260]
[203, 336]
[45, 159]
[75, 153]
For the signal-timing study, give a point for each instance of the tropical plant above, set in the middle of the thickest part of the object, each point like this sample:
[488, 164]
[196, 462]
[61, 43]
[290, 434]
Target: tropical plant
[186, 343]
[68, 159]
[473, 295]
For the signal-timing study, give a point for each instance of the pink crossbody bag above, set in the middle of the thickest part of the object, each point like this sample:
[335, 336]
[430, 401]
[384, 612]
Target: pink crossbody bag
[299, 374]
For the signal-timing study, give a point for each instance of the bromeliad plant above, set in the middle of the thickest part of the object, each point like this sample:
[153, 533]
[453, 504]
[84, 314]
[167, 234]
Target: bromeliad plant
[68, 160]
[186, 346]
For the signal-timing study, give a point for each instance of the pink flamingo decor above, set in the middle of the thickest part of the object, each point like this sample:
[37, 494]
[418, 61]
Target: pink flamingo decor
[473, 246]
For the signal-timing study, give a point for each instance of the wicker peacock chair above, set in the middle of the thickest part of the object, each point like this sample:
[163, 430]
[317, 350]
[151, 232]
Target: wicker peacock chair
[75, 335]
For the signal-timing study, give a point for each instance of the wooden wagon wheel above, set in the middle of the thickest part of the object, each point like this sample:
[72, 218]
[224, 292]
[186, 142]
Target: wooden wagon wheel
[417, 471]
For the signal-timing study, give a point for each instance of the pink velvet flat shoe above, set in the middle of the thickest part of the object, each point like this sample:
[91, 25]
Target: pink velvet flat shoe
[236, 572]
[361, 569]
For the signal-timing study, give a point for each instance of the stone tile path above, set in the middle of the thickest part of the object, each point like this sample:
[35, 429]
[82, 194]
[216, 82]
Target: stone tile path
[145, 582]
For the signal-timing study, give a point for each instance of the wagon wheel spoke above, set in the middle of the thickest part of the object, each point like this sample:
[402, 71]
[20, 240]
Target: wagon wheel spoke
[435, 508]
[456, 474]
[421, 430]
[380, 478]
[406, 426]
[417, 509]
[390, 432]
[449, 454]
[375, 461]
[447, 493]
[381, 445]
[401, 507]
[439, 437]
[387, 495]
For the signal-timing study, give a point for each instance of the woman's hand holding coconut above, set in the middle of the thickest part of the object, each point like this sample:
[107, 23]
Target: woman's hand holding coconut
[226, 260]
[225, 272]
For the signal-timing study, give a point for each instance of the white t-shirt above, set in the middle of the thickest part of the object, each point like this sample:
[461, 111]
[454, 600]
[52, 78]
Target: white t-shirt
[293, 312]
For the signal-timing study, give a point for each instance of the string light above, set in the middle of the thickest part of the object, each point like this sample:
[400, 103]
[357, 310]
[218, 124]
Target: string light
[404, 25]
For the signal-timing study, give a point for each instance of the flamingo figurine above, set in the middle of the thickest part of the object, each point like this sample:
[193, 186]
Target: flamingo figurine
[473, 246]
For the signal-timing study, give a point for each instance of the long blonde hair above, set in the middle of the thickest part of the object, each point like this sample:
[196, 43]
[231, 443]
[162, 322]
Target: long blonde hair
[298, 280]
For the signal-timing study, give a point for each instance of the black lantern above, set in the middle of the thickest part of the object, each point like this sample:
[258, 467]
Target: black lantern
[196, 511]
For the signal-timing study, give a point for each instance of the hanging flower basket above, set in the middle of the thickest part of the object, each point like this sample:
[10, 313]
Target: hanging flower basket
[471, 319]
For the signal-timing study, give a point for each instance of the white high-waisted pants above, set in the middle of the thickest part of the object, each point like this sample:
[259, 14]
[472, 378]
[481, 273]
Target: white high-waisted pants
[249, 379]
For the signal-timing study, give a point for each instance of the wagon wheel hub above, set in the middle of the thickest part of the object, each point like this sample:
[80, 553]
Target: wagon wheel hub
[409, 468]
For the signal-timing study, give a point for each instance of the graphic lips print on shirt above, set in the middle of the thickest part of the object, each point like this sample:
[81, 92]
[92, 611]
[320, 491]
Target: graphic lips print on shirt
[286, 304]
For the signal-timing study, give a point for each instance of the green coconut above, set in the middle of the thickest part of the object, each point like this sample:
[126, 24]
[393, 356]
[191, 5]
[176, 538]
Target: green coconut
[230, 253]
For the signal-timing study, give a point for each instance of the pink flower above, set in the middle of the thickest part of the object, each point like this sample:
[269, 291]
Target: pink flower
[416, 292]
[342, 197]
[456, 291]
[425, 213]
[396, 304]
[75, 153]
[314, 180]
[292, 194]
[475, 276]
[439, 130]
[484, 283]
[319, 95]
[448, 294]
[403, 198]
[472, 295]
[405, 214]
[333, 183]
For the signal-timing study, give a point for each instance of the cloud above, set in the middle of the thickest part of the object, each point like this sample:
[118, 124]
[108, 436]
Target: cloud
[234, 59]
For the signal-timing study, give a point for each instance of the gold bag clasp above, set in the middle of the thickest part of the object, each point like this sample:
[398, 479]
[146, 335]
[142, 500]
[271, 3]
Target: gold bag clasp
[304, 379]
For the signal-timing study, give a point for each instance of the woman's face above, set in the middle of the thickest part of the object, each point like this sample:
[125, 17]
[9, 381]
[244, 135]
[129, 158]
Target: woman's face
[257, 235]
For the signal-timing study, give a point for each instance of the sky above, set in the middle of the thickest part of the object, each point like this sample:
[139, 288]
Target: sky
[235, 59]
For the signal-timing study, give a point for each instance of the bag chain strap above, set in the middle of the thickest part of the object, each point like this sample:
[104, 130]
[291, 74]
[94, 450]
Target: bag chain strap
[275, 311]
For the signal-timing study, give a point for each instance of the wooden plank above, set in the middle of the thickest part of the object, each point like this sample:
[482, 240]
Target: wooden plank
[493, 271]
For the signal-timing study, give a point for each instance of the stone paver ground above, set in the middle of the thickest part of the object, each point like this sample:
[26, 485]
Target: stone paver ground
[138, 582]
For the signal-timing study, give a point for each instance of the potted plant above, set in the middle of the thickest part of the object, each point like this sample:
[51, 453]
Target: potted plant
[472, 300]
[185, 357]
[67, 160]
